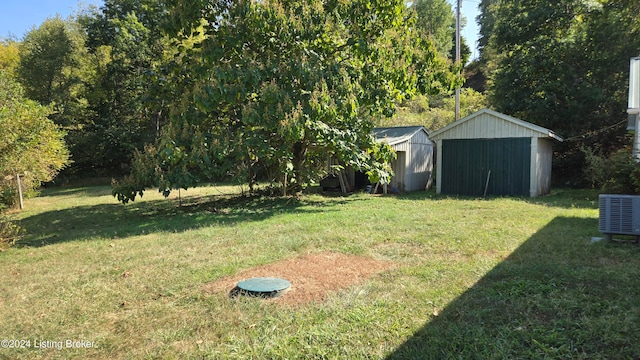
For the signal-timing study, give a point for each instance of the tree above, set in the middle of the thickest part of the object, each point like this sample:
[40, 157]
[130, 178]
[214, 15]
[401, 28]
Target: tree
[436, 21]
[129, 52]
[281, 86]
[9, 56]
[486, 20]
[56, 70]
[50, 69]
[30, 143]
[435, 112]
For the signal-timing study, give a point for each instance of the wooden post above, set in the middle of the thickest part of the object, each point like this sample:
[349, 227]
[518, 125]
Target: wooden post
[343, 181]
[486, 184]
[20, 191]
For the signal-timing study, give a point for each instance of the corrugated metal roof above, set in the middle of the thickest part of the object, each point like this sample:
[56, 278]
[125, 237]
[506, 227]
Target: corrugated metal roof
[528, 125]
[397, 135]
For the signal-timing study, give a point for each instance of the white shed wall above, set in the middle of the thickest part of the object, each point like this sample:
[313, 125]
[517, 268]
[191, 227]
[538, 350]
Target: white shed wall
[414, 165]
[399, 170]
[487, 126]
[544, 160]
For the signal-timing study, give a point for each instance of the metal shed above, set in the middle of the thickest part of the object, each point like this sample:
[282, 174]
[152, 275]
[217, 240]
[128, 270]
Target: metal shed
[414, 164]
[492, 153]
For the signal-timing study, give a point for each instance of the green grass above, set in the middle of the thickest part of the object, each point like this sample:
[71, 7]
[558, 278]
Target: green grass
[499, 278]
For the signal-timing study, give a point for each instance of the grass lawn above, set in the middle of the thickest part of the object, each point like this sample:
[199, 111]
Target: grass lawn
[500, 278]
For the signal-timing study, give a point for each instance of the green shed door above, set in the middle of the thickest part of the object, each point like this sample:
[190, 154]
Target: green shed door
[466, 164]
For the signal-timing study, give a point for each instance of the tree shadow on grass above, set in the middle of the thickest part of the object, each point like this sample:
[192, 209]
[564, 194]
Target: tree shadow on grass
[558, 296]
[117, 220]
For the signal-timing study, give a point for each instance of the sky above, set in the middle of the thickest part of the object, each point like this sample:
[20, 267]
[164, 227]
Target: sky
[17, 17]
[470, 32]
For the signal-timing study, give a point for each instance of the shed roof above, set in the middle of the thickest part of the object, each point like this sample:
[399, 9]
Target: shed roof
[535, 128]
[397, 135]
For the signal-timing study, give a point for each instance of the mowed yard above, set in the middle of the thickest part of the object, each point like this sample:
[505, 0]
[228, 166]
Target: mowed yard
[499, 278]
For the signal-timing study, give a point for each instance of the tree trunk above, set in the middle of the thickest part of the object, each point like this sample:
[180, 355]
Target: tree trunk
[299, 159]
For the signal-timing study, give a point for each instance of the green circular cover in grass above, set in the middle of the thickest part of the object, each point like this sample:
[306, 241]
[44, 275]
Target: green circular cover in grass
[264, 285]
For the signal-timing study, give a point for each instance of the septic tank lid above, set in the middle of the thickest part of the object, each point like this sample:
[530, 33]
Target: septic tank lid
[263, 286]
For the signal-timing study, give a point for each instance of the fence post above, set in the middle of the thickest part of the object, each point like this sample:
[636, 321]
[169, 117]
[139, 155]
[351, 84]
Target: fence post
[20, 191]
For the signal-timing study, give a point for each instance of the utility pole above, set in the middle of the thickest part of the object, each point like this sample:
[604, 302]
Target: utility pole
[458, 57]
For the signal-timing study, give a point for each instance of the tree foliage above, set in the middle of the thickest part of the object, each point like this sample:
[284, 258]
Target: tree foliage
[278, 87]
[9, 56]
[126, 45]
[435, 111]
[486, 21]
[30, 143]
[436, 21]
[57, 71]
[618, 173]
[51, 72]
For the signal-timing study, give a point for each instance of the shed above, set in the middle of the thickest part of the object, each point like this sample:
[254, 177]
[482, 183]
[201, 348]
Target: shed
[414, 164]
[492, 153]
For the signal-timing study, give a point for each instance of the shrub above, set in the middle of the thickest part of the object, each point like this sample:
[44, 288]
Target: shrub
[617, 174]
[9, 232]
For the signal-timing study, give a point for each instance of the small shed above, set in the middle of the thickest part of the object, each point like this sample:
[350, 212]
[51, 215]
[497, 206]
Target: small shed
[495, 154]
[414, 164]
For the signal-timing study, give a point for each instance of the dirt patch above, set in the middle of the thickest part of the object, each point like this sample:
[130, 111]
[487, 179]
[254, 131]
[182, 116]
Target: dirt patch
[312, 276]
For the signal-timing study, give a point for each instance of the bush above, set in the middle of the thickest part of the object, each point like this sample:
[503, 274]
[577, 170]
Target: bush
[617, 174]
[9, 232]
[8, 195]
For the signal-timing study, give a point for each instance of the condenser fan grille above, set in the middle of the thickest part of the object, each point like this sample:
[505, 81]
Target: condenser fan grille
[619, 214]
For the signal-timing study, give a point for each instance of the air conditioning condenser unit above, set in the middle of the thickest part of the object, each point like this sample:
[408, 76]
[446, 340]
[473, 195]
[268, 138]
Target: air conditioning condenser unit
[619, 215]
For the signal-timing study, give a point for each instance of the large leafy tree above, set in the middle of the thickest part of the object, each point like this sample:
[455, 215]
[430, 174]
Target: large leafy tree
[127, 48]
[57, 71]
[278, 87]
[51, 71]
[565, 66]
[436, 21]
[486, 20]
[30, 143]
